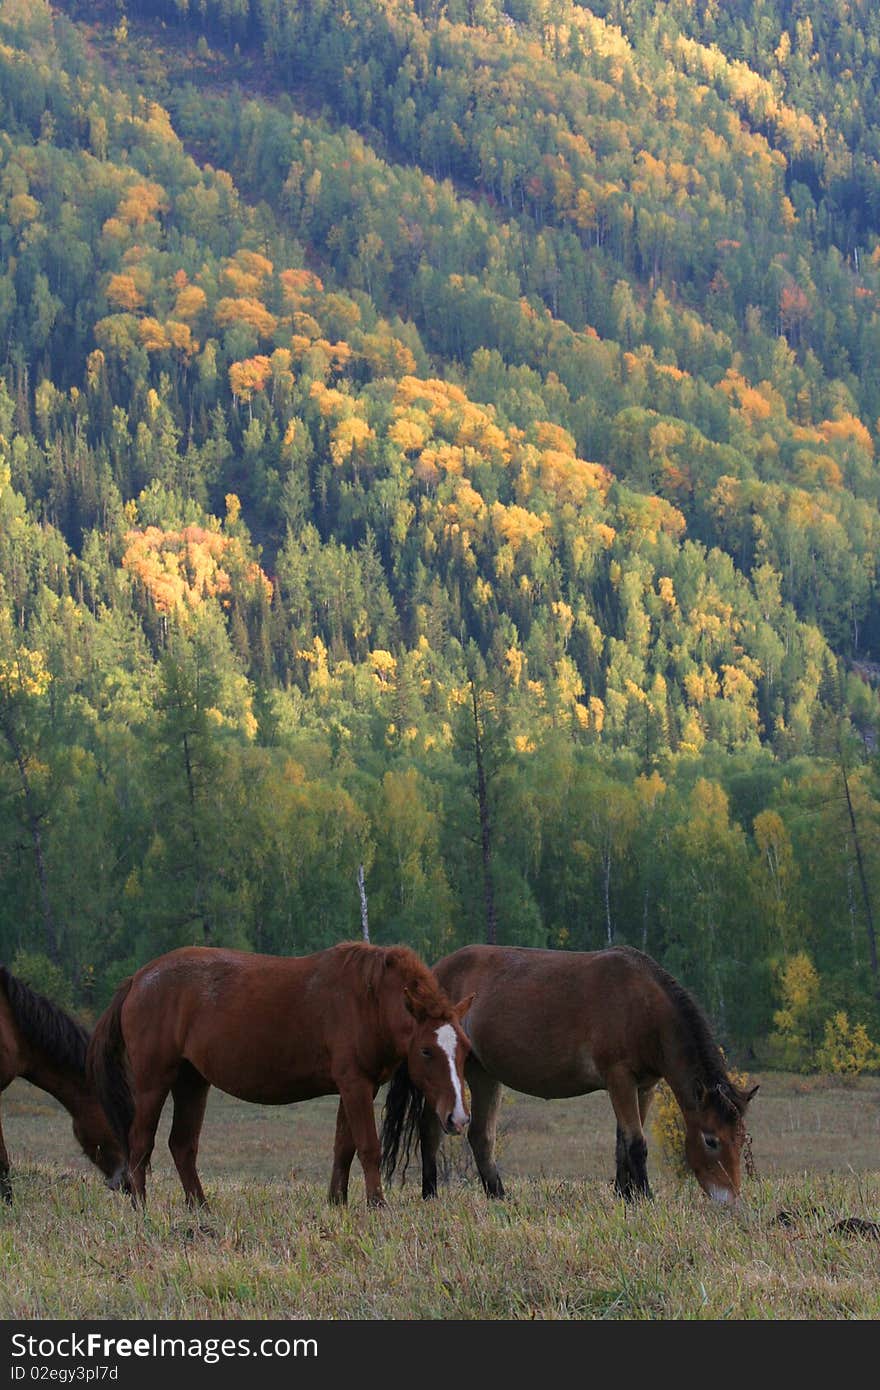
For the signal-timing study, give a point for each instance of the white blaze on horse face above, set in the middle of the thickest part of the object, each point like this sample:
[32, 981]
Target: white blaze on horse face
[447, 1040]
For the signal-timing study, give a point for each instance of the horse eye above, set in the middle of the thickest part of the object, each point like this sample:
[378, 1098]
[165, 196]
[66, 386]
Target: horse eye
[426, 1052]
[711, 1142]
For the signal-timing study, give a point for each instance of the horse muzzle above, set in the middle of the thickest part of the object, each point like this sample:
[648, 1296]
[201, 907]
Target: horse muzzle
[118, 1180]
[725, 1196]
[451, 1125]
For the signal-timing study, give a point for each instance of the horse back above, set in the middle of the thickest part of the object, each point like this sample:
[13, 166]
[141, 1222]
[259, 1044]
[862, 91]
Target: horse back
[265, 1028]
[553, 1023]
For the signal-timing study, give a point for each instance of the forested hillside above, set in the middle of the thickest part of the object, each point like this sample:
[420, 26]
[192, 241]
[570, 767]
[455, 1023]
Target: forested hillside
[440, 438]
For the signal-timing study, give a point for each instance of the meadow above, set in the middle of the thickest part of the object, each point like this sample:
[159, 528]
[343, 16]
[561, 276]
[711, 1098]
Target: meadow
[561, 1246]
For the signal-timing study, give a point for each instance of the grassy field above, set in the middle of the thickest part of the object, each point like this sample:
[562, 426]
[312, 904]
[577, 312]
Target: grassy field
[560, 1247]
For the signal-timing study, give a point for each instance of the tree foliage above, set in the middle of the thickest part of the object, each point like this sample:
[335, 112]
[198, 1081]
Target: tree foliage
[475, 483]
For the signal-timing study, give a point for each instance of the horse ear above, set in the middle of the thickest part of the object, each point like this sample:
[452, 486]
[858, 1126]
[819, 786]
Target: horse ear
[462, 1006]
[413, 1006]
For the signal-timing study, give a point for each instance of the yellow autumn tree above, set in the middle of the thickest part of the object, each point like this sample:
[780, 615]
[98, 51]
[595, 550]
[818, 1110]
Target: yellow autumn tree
[22, 209]
[348, 438]
[793, 1042]
[180, 337]
[190, 304]
[153, 335]
[408, 434]
[141, 202]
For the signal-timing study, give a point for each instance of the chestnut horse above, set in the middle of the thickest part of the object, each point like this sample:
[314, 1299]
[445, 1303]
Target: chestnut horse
[275, 1029]
[563, 1023]
[47, 1047]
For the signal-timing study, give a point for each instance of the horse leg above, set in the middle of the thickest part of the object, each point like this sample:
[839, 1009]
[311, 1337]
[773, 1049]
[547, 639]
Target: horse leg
[343, 1152]
[5, 1184]
[646, 1096]
[357, 1097]
[190, 1093]
[622, 1179]
[141, 1138]
[485, 1104]
[631, 1179]
[430, 1134]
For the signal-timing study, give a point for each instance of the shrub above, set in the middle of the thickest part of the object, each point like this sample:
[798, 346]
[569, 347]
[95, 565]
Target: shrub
[43, 975]
[846, 1050]
[667, 1130]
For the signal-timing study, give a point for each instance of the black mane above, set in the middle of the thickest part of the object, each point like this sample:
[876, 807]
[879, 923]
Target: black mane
[44, 1024]
[704, 1054]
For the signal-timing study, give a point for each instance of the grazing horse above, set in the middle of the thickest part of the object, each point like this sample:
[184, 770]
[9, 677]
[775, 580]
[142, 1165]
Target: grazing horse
[275, 1029]
[563, 1023]
[47, 1047]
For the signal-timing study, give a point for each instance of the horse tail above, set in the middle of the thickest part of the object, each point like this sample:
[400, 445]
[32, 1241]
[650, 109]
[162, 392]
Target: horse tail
[401, 1118]
[107, 1067]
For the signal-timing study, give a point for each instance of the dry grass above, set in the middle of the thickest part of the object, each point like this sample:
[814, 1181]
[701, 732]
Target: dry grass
[560, 1247]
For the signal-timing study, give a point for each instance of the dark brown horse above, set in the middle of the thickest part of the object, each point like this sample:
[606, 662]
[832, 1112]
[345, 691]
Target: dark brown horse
[275, 1029]
[563, 1023]
[47, 1047]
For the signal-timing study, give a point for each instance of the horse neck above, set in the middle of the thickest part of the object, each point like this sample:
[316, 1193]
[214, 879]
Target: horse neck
[62, 1080]
[396, 1024]
[683, 1066]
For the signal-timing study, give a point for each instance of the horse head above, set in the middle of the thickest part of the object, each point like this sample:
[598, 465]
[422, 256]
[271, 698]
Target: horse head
[98, 1142]
[715, 1134]
[435, 1059]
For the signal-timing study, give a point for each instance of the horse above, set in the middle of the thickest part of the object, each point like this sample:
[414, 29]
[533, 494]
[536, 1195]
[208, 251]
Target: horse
[42, 1043]
[273, 1030]
[565, 1023]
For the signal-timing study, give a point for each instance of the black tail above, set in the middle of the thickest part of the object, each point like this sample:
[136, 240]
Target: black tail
[107, 1067]
[401, 1118]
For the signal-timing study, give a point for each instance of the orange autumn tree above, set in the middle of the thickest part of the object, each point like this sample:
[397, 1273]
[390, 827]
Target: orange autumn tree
[299, 287]
[141, 203]
[179, 570]
[123, 293]
[245, 309]
[246, 271]
[190, 304]
[250, 376]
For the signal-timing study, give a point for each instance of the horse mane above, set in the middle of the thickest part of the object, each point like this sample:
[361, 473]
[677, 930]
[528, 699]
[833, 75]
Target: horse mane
[44, 1024]
[419, 982]
[702, 1050]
